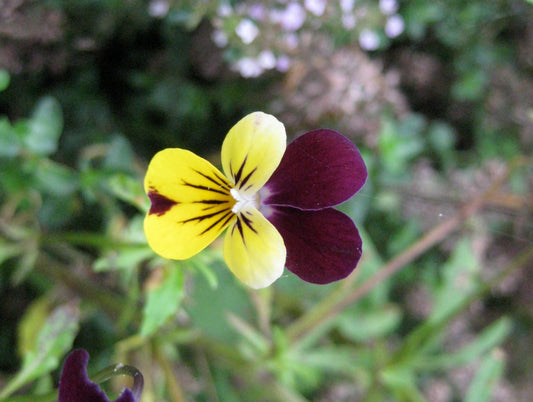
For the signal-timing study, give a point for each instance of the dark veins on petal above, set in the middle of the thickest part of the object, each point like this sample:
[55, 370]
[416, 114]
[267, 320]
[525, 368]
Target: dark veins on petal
[241, 181]
[242, 220]
[218, 209]
[160, 203]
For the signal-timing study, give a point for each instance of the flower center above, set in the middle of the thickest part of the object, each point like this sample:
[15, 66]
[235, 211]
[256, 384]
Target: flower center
[243, 200]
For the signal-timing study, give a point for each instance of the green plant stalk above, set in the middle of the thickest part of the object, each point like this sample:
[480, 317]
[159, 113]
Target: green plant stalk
[331, 306]
[112, 303]
[174, 388]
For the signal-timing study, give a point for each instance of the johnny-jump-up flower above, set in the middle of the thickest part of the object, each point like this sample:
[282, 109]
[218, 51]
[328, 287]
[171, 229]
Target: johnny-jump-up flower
[75, 386]
[275, 202]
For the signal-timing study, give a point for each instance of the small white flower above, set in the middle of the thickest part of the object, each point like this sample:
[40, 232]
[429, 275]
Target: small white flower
[158, 8]
[368, 40]
[347, 5]
[292, 41]
[317, 7]
[283, 63]
[394, 26]
[220, 38]
[266, 59]
[257, 11]
[247, 31]
[388, 7]
[293, 17]
[249, 67]
[348, 21]
[224, 10]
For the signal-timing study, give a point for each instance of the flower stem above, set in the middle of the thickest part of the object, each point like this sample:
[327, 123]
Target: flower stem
[122, 369]
[330, 307]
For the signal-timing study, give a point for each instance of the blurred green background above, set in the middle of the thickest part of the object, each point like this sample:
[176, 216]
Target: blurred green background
[438, 96]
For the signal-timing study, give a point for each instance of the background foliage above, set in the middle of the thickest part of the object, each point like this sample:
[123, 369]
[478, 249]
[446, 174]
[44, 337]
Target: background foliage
[440, 306]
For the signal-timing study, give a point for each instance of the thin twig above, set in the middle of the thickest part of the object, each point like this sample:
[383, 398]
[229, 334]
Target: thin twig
[327, 310]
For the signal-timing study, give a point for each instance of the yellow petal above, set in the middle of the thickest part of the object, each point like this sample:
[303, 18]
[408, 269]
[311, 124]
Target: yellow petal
[254, 249]
[252, 151]
[191, 203]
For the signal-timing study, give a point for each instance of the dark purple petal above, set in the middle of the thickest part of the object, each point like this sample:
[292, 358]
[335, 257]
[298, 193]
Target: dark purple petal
[322, 246]
[75, 386]
[320, 169]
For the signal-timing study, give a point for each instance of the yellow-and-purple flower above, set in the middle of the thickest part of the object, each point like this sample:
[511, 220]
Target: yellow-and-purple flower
[274, 200]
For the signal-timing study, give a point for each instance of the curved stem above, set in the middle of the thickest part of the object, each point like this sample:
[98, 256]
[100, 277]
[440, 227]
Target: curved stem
[122, 369]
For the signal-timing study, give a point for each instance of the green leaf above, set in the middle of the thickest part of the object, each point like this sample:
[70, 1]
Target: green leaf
[53, 340]
[128, 189]
[459, 276]
[4, 79]
[54, 178]
[367, 325]
[44, 127]
[125, 258]
[163, 300]
[490, 371]
[401, 382]
[9, 141]
[491, 337]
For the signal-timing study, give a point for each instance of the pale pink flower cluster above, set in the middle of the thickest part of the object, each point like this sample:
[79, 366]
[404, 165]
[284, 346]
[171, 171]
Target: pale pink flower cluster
[282, 21]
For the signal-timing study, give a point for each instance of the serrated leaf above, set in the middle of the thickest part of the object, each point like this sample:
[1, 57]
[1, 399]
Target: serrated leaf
[163, 301]
[45, 127]
[53, 340]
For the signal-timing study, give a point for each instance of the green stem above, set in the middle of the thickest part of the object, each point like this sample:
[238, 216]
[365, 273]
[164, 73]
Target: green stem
[122, 369]
[332, 306]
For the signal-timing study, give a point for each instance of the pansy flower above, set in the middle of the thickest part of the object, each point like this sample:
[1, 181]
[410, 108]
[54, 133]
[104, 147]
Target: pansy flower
[75, 386]
[274, 200]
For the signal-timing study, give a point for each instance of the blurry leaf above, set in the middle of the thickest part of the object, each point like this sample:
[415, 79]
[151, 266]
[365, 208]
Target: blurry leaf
[470, 85]
[256, 343]
[209, 308]
[9, 140]
[33, 320]
[54, 178]
[400, 141]
[401, 382]
[459, 279]
[52, 341]
[489, 372]
[128, 189]
[119, 155]
[56, 211]
[360, 326]
[337, 359]
[404, 237]
[4, 80]
[44, 127]
[8, 250]
[163, 300]
[125, 258]
[26, 262]
[491, 337]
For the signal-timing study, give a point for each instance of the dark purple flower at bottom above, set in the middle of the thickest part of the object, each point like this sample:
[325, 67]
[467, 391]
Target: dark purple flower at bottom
[319, 170]
[75, 386]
